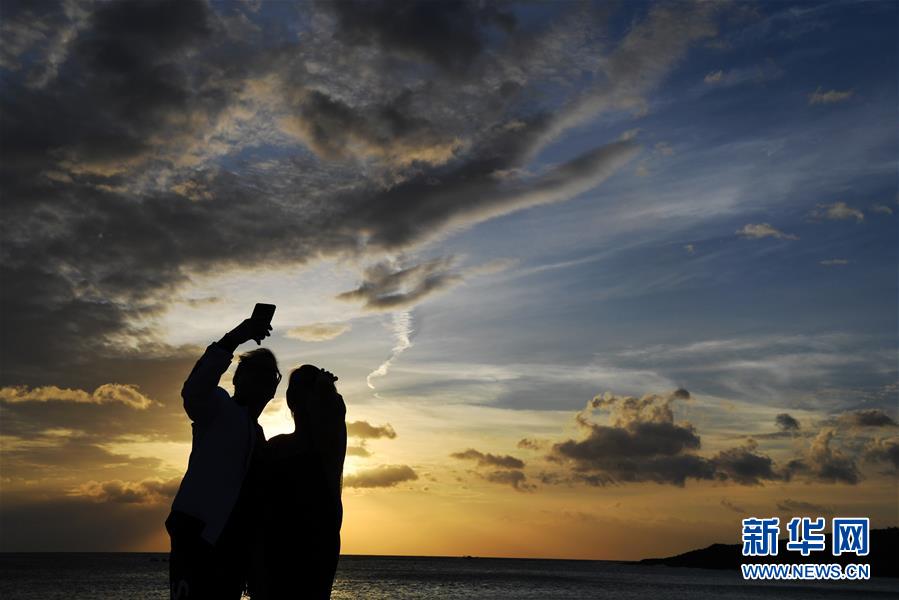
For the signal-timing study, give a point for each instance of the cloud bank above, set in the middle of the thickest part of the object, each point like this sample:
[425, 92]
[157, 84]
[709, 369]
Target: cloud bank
[146, 145]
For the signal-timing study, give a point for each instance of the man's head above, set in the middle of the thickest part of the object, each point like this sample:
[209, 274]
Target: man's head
[256, 378]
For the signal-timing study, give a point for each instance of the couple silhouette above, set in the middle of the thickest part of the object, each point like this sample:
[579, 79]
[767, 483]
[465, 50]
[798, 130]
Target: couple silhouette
[254, 515]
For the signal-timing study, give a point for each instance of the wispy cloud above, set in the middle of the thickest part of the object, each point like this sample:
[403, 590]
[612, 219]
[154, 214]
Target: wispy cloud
[738, 76]
[837, 211]
[763, 230]
[402, 334]
[829, 97]
[318, 332]
[714, 77]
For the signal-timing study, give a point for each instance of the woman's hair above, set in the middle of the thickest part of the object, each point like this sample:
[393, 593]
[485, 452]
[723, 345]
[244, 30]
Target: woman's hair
[299, 387]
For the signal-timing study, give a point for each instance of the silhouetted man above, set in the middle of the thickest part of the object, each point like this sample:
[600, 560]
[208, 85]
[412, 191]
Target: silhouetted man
[209, 522]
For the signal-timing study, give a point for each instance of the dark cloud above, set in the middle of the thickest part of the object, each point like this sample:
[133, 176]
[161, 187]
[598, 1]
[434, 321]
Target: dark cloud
[111, 169]
[365, 430]
[335, 130]
[386, 287]
[124, 93]
[391, 285]
[554, 478]
[378, 477]
[744, 465]
[869, 417]
[514, 478]
[487, 459]
[786, 422]
[531, 444]
[822, 462]
[880, 450]
[125, 64]
[638, 440]
[643, 443]
[473, 191]
[450, 35]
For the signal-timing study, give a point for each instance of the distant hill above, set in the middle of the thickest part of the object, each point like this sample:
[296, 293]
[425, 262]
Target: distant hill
[884, 556]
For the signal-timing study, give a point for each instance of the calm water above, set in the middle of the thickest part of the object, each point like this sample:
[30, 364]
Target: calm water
[144, 576]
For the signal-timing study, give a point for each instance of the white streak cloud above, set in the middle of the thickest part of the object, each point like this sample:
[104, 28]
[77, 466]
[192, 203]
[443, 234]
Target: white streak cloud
[758, 231]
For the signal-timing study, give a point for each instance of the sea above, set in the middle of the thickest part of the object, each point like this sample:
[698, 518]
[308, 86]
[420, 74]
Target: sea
[137, 576]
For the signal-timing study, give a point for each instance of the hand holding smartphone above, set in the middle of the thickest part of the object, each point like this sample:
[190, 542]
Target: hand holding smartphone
[262, 317]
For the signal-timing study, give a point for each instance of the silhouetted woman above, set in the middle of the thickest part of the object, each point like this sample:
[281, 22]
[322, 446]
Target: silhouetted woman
[302, 512]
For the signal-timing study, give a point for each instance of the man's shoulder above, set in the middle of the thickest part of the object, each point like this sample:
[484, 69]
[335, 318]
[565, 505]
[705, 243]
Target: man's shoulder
[222, 395]
[225, 407]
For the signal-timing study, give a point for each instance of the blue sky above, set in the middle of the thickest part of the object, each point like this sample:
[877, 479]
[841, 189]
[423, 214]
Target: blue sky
[756, 150]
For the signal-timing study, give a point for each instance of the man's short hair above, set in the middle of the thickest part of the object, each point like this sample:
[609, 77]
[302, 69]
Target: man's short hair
[257, 365]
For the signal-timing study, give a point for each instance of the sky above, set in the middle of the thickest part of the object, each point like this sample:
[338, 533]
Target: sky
[599, 279]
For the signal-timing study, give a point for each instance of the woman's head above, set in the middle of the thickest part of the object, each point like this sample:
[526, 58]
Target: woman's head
[308, 384]
[300, 386]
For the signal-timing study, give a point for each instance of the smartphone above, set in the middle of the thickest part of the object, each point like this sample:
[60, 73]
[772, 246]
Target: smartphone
[263, 313]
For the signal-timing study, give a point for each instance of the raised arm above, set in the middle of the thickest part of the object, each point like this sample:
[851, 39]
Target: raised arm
[198, 392]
